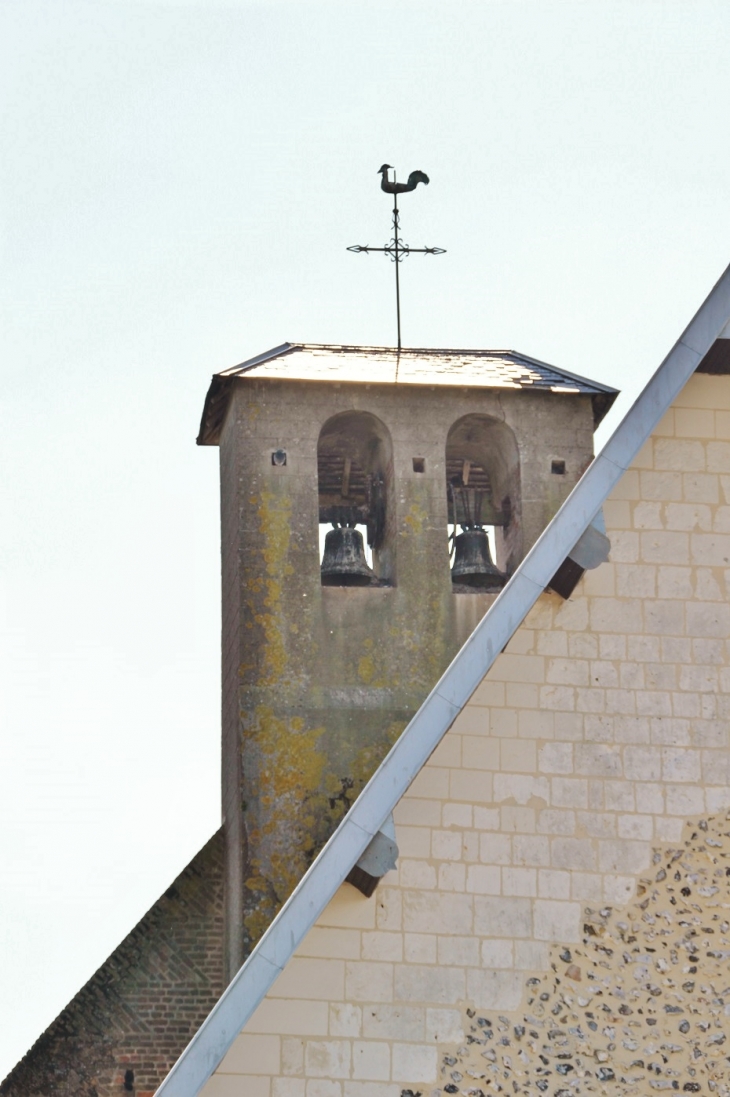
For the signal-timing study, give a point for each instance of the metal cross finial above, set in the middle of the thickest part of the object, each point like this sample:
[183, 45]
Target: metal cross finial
[396, 249]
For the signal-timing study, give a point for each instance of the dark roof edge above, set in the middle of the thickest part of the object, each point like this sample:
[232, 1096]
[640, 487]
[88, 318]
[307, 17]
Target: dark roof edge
[608, 389]
[216, 398]
[602, 403]
[717, 359]
[602, 400]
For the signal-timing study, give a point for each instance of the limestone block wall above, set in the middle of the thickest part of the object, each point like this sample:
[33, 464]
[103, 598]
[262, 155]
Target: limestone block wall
[598, 734]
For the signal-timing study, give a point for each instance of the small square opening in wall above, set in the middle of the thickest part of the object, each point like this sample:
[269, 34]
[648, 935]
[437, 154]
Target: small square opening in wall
[558, 468]
[278, 458]
[419, 464]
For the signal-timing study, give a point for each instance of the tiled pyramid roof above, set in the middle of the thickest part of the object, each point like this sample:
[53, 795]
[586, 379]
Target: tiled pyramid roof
[494, 369]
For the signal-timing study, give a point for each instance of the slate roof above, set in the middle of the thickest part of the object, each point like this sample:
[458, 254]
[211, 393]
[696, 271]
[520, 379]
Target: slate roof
[697, 343]
[493, 369]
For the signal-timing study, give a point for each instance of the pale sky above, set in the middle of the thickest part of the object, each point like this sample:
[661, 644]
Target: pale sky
[179, 183]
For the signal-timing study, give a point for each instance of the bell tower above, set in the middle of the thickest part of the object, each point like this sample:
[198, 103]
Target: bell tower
[350, 479]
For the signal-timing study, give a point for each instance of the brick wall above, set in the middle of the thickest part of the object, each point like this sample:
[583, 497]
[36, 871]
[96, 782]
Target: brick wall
[599, 732]
[144, 1004]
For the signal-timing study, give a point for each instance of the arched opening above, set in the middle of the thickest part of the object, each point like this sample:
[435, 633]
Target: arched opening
[355, 479]
[483, 487]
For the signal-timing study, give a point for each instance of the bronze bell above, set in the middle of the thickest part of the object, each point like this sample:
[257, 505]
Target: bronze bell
[473, 562]
[343, 562]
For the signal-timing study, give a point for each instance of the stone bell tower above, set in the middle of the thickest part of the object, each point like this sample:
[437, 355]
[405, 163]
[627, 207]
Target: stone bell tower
[322, 670]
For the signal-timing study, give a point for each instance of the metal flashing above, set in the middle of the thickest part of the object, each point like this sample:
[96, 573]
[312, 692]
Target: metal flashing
[443, 704]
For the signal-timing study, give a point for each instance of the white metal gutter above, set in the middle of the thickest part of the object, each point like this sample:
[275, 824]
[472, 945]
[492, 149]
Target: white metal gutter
[423, 734]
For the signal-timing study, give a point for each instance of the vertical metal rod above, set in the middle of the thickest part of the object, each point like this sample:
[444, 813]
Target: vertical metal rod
[397, 257]
[394, 250]
[397, 261]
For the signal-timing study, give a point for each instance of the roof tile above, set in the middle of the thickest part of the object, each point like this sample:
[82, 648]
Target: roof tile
[420, 366]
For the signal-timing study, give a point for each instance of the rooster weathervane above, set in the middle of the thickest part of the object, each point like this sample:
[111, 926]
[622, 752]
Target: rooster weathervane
[396, 249]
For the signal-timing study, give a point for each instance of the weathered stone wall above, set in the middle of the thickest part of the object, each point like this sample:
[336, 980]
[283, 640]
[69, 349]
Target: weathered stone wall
[318, 681]
[598, 734]
[640, 1005]
[231, 490]
[144, 1004]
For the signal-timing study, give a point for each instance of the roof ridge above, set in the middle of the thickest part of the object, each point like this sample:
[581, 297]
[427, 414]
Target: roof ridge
[257, 360]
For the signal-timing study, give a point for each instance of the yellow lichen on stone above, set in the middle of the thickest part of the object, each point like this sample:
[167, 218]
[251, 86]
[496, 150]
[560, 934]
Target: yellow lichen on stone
[275, 525]
[369, 757]
[372, 667]
[416, 518]
[366, 669]
[291, 769]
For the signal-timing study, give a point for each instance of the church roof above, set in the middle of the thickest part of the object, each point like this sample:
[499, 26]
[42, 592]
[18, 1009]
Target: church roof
[492, 369]
[702, 347]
